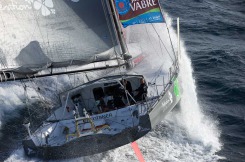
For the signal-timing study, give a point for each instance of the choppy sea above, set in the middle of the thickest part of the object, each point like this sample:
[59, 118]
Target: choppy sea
[208, 126]
[213, 32]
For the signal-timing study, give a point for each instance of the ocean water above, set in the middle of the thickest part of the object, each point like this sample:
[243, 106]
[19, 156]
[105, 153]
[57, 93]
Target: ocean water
[208, 126]
[214, 35]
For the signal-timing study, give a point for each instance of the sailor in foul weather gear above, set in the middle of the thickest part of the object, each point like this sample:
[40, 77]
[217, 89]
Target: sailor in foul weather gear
[142, 91]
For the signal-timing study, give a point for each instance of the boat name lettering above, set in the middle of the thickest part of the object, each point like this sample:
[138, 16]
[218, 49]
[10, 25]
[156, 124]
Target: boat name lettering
[142, 4]
[169, 100]
[104, 116]
[141, 129]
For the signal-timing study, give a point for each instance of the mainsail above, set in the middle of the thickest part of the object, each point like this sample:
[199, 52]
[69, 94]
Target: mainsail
[39, 34]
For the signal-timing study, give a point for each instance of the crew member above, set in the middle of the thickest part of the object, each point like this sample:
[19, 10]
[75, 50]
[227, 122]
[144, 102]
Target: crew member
[103, 105]
[142, 91]
[127, 85]
[117, 96]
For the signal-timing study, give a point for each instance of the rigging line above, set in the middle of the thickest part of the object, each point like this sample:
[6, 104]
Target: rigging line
[162, 42]
[69, 76]
[158, 72]
[171, 41]
[158, 55]
[69, 49]
[36, 17]
[56, 86]
[161, 66]
[75, 84]
[38, 25]
[32, 34]
[151, 41]
[160, 46]
[54, 93]
[168, 31]
[43, 100]
[127, 93]
[26, 95]
[4, 65]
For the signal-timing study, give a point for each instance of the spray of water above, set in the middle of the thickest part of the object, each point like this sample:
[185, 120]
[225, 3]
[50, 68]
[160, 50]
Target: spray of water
[9, 101]
[199, 126]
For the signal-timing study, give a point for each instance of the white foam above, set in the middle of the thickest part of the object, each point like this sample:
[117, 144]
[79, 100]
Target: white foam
[9, 101]
[18, 156]
[199, 126]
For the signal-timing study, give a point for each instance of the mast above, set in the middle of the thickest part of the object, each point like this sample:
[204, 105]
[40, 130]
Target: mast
[118, 28]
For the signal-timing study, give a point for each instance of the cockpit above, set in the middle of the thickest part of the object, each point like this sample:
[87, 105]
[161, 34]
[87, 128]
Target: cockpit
[102, 95]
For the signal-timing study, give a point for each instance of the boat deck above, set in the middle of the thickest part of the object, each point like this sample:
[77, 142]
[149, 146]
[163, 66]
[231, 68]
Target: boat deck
[110, 123]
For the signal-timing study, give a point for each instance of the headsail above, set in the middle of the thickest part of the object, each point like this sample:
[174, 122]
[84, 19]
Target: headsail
[37, 34]
[139, 12]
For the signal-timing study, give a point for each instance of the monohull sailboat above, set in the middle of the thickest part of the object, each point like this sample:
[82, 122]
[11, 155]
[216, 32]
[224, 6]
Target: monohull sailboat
[66, 36]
